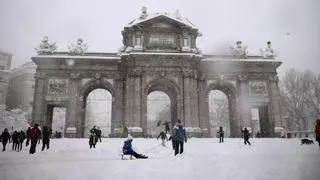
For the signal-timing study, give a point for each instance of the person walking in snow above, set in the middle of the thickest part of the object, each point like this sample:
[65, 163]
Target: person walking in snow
[46, 134]
[93, 140]
[28, 136]
[127, 149]
[5, 137]
[221, 134]
[21, 137]
[317, 130]
[98, 133]
[246, 136]
[14, 140]
[179, 137]
[163, 137]
[35, 135]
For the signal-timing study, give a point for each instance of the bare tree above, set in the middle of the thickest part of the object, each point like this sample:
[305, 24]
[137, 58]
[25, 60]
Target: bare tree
[300, 98]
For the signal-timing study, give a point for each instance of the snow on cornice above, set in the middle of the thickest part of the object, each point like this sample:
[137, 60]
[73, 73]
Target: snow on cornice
[180, 19]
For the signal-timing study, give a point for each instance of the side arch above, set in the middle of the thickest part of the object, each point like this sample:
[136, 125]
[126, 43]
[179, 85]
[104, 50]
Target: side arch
[85, 91]
[231, 92]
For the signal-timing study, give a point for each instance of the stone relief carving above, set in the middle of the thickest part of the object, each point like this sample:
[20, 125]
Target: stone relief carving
[57, 87]
[79, 48]
[258, 88]
[45, 47]
[268, 53]
[239, 51]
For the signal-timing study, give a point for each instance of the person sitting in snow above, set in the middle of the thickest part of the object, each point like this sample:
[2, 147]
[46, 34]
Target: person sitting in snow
[163, 137]
[93, 140]
[246, 136]
[5, 137]
[127, 149]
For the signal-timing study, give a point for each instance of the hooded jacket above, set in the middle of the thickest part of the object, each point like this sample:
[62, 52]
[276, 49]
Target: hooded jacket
[179, 133]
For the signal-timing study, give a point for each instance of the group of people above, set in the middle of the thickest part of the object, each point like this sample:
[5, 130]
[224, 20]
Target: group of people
[95, 136]
[33, 136]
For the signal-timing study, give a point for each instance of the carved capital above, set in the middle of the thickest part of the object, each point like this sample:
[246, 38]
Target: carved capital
[137, 72]
[40, 75]
[274, 78]
[74, 75]
[242, 77]
[189, 73]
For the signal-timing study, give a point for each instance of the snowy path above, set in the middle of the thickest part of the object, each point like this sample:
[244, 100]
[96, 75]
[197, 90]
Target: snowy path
[203, 159]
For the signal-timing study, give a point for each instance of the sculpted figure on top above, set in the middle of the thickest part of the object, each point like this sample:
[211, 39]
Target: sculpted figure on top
[79, 48]
[268, 52]
[45, 47]
[239, 51]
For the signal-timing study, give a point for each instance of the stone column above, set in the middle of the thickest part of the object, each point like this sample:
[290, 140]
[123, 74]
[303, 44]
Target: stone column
[274, 113]
[117, 119]
[39, 99]
[133, 102]
[243, 105]
[204, 123]
[191, 102]
[73, 121]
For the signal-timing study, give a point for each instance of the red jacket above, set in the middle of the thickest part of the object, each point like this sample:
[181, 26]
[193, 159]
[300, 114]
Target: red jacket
[318, 128]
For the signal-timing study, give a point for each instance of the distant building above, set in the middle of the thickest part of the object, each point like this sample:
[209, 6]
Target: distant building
[5, 63]
[21, 86]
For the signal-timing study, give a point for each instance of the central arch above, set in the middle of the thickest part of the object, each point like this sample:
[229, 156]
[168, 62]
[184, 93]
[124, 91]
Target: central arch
[168, 87]
[85, 91]
[230, 91]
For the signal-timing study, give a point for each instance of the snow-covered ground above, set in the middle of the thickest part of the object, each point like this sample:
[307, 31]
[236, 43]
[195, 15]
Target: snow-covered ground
[269, 159]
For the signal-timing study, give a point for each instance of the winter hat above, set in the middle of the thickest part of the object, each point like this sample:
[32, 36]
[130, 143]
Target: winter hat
[129, 137]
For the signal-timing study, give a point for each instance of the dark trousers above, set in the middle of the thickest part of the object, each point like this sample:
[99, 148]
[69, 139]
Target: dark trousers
[98, 137]
[4, 143]
[27, 142]
[246, 140]
[178, 145]
[92, 145]
[45, 143]
[134, 154]
[33, 146]
[221, 139]
[173, 144]
[19, 146]
[14, 146]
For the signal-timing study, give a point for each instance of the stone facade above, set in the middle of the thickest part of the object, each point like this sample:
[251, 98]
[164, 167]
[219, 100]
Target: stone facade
[5, 64]
[159, 54]
[21, 86]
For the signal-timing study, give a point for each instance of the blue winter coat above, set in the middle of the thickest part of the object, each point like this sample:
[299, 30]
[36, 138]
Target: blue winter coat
[127, 147]
[179, 133]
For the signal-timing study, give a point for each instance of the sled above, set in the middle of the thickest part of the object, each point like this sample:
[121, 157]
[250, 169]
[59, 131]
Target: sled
[123, 155]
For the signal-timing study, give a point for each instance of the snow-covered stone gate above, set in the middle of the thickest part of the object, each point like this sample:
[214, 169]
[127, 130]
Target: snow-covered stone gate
[159, 54]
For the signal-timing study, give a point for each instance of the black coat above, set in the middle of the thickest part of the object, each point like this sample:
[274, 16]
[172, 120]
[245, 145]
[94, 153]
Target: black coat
[5, 137]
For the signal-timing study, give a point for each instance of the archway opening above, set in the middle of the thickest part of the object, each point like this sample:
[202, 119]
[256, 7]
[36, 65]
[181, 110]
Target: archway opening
[219, 113]
[56, 119]
[98, 109]
[158, 112]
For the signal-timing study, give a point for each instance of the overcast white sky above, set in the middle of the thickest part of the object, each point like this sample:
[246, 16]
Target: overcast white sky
[293, 26]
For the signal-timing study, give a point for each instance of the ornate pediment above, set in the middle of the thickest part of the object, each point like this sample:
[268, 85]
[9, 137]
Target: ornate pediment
[162, 32]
